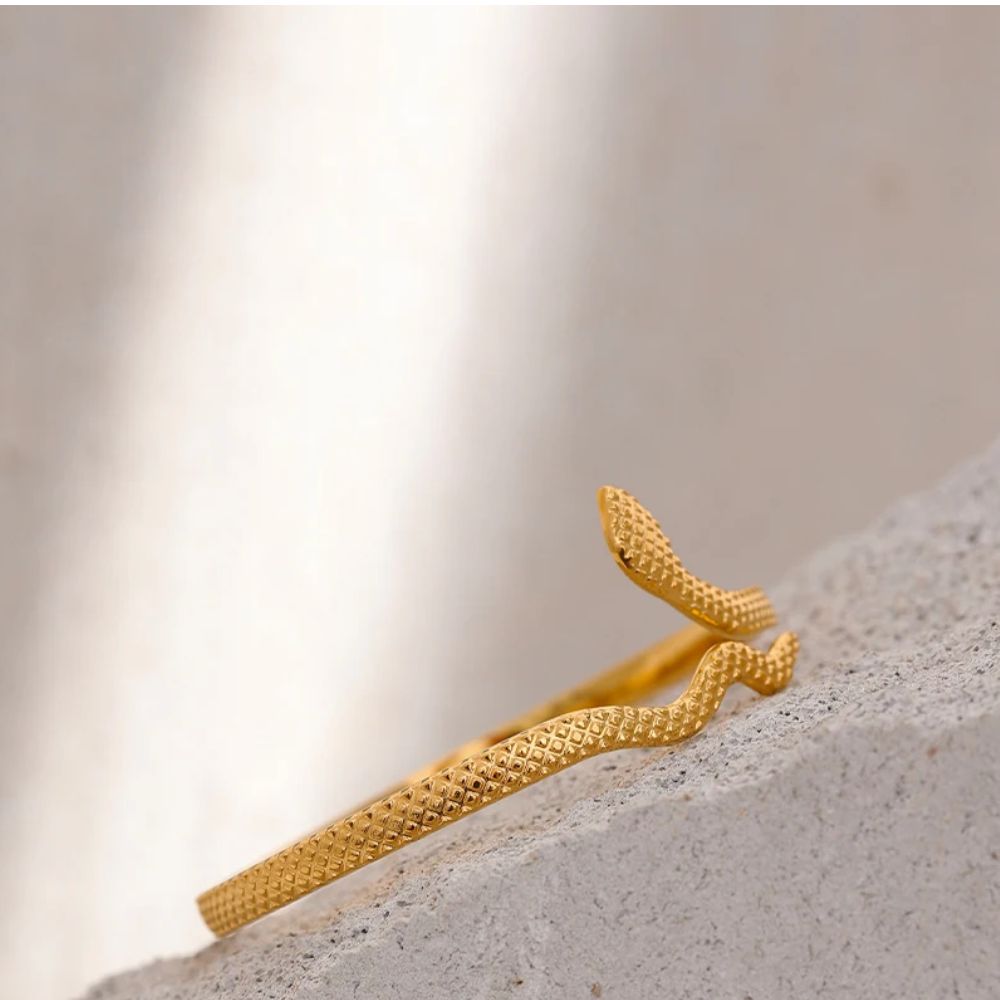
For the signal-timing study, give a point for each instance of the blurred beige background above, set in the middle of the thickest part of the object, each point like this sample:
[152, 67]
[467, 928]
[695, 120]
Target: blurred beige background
[319, 330]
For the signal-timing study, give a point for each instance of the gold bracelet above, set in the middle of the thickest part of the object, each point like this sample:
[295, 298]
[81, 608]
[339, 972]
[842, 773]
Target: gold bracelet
[592, 719]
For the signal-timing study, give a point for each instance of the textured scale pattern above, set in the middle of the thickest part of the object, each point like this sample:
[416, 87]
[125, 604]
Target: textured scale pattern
[646, 556]
[420, 808]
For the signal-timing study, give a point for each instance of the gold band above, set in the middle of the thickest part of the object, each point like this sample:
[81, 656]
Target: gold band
[595, 718]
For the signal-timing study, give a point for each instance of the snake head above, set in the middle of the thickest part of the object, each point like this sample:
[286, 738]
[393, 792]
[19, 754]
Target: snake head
[633, 536]
[646, 557]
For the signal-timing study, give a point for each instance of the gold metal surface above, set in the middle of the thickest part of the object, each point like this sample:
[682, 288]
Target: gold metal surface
[591, 719]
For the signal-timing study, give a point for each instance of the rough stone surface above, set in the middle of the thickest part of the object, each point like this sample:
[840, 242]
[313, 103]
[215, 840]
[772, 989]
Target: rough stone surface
[841, 839]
